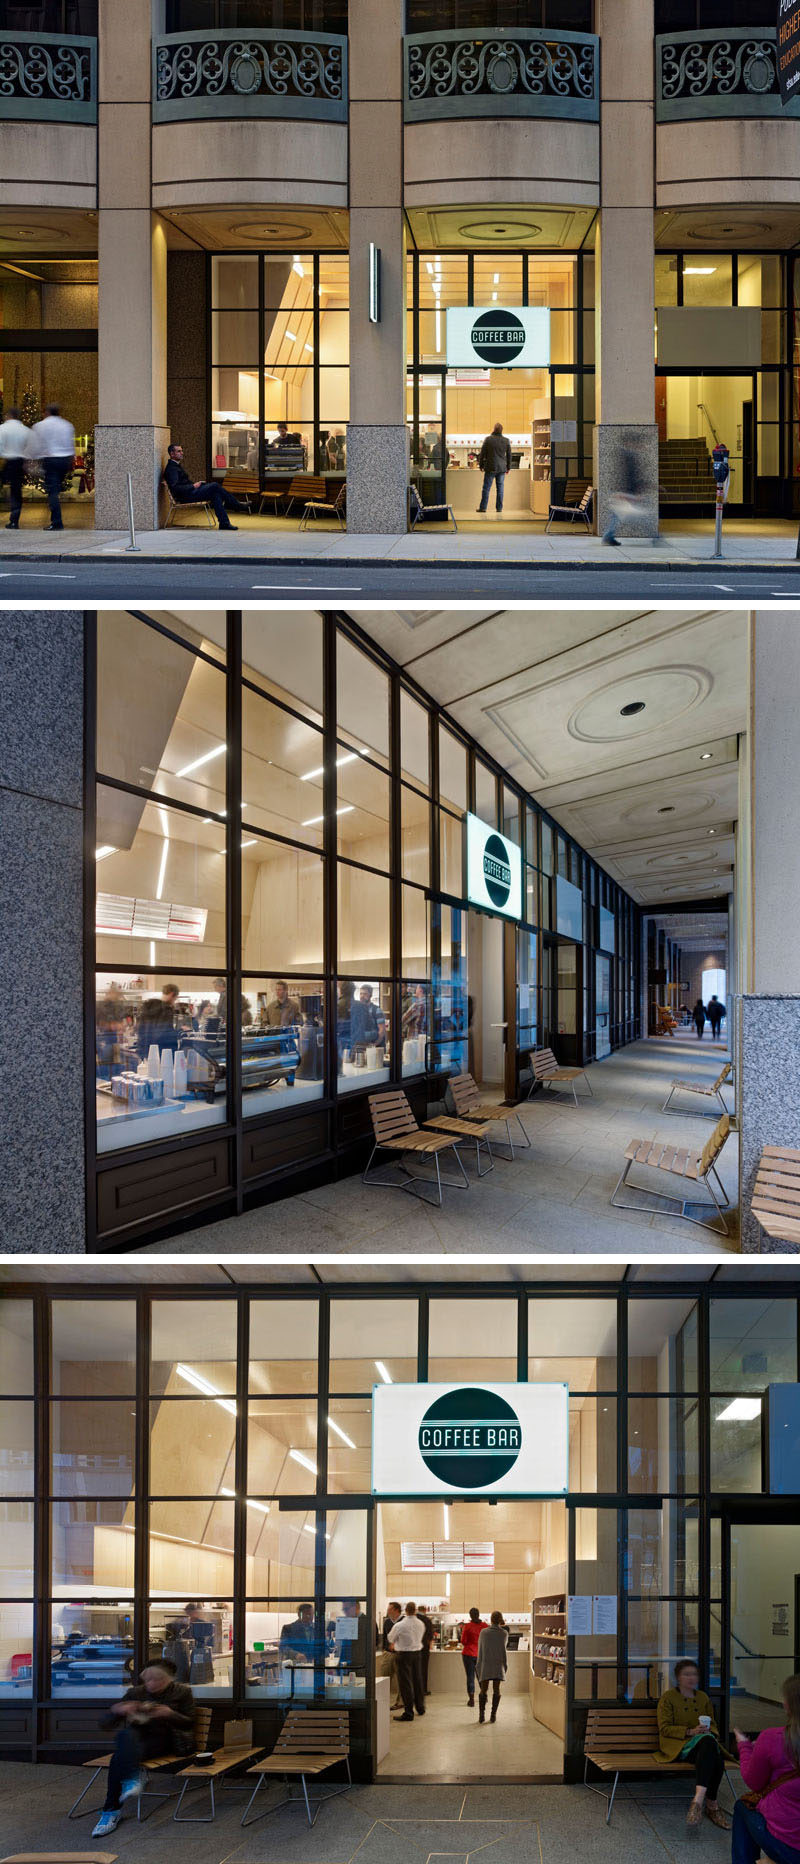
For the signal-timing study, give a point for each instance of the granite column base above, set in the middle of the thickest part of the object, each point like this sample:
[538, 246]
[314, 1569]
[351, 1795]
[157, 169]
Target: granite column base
[377, 480]
[142, 452]
[769, 1100]
[611, 444]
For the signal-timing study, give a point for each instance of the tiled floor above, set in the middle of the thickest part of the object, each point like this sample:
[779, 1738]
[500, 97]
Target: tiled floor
[553, 1197]
[451, 1744]
[382, 1824]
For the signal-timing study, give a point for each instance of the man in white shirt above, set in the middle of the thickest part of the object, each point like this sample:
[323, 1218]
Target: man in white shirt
[53, 442]
[406, 1639]
[14, 437]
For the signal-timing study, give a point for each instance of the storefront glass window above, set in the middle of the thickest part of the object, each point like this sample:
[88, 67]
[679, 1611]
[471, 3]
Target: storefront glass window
[350, 1446]
[666, 278]
[143, 1022]
[526, 990]
[282, 771]
[191, 1443]
[300, 346]
[372, 1338]
[363, 926]
[414, 742]
[282, 654]
[596, 1576]
[416, 948]
[362, 812]
[91, 1647]
[485, 793]
[362, 702]
[661, 1595]
[451, 1005]
[282, 1445]
[511, 814]
[160, 884]
[90, 1361]
[192, 1348]
[663, 1448]
[196, 1633]
[451, 848]
[160, 717]
[16, 1648]
[574, 1340]
[283, 1042]
[472, 1339]
[16, 1447]
[707, 278]
[16, 1346]
[416, 1022]
[662, 1346]
[736, 1461]
[52, 299]
[752, 1344]
[415, 836]
[92, 1447]
[592, 1445]
[283, 1347]
[452, 770]
[91, 1541]
[16, 1553]
[282, 907]
[363, 1029]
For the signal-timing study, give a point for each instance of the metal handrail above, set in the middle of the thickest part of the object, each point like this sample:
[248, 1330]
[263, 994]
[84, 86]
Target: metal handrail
[48, 77]
[501, 72]
[244, 74]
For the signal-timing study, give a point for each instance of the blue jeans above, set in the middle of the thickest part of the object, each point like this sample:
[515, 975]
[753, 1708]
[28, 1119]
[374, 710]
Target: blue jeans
[55, 472]
[488, 477]
[469, 1665]
[751, 1836]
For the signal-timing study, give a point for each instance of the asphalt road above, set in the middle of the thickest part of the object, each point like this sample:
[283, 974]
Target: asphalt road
[87, 583]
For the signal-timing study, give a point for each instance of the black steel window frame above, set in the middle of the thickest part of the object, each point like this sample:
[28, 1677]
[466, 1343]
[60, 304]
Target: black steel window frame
[313, 16]
[319, 1500]
[263, 255]
[495, 16]
[65, 9]
[335, 625]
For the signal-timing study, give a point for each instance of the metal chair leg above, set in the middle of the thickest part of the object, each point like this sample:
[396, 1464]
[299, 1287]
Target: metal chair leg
[611, 1801]
[256, 1789]
[88, 1810]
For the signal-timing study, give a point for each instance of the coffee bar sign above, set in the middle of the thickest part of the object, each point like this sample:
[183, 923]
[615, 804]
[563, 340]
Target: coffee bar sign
[493, 866]
[501, 336]
[470, 1439]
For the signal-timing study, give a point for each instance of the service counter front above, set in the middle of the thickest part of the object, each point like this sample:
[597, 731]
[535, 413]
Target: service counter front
[447, 1676]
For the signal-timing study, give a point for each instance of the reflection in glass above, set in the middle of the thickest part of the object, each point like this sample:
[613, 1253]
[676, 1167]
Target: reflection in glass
[193, 1347]
[92, 1447]
[472, 1339]
[191, 1439]
[16, 1346]
[283, 1346]
[282, 914]
[16, 1651]
[16, 1447]
[197, 1635]
[283, 1043]
[91, 1545]
[282, 1446]
[92, 1650]
[416, 1020]
[97, 1359]
[663, 1450]
[160, 719]
[574, 1340]
[363, 1022]
[363, 923]
[752, 1344]
[371, 1341]
[16, 1550]
[161, 1055]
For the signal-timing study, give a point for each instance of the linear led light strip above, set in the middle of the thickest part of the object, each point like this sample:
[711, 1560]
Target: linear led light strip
[351, 758]
[740, 1411]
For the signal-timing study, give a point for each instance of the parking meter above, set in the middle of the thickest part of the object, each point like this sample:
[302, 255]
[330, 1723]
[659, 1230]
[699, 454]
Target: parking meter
[720, 461]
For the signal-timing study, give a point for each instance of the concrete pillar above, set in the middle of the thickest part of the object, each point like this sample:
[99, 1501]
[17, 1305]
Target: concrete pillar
[377, 436]
[625, 294]
[131, 436]
[41, 905]
[769, 1088]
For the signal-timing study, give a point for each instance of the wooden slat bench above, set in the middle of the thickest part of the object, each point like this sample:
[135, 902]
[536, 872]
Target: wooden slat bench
[477, 1131]
[161, 1764]
[395, 1130]
[195, 1779]
[624, 1739]
[710, 1090]
[175, 505]
[243, 485]
[308, 487]
[548, 1073]
[310, 1742]
[571, 512]
[690, 1167]
[776, 1194]
[466, 1098]
[321, 504]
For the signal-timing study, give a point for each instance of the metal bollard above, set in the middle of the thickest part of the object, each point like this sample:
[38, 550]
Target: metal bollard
[131, 526]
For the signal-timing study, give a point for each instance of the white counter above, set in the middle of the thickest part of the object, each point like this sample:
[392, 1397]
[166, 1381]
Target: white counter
[465, 484]
[446, 1674]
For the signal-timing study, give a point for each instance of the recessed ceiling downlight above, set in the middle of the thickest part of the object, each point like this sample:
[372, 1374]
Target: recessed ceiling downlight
[666, 809]
[635, 705]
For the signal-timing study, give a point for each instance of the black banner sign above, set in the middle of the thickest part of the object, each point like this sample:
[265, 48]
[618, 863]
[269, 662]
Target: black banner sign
[789, 49]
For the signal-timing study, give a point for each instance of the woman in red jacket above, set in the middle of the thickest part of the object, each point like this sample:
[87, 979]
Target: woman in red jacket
[771, 1766]
[470, 1633]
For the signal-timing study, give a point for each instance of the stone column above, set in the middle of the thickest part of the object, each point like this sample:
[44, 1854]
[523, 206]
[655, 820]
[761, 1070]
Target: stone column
[625, 296]
[132, 435]
[41, 905]
[377, 436]
[769, 948]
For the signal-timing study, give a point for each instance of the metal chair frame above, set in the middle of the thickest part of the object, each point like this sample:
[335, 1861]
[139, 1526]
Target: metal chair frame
[317, 1801]
[414, 1178]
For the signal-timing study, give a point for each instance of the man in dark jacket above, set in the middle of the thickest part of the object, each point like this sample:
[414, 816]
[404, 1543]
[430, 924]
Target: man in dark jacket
[494, 461]
[155, 1717]
[156, 1021]
[186, 491]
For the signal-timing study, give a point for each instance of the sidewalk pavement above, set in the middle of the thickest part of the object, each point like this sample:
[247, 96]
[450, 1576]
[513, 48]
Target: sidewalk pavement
[771, 547]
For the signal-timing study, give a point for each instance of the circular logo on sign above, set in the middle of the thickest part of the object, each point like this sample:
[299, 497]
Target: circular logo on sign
[470, 1438]
[496, 871]
[497, 337]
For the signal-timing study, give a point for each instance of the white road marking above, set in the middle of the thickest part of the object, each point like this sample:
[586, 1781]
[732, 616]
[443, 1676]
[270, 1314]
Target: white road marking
[305, 585]
[43, 575]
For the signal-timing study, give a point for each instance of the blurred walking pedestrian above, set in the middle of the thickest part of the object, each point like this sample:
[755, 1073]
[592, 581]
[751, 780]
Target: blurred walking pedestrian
[14, 439]
[53, 442]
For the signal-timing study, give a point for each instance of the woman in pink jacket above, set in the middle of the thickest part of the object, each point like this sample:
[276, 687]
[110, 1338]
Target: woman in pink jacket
[771, 1767]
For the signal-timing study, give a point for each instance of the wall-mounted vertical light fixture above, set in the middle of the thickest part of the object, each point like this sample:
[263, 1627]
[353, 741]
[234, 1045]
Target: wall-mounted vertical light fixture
[374, 283]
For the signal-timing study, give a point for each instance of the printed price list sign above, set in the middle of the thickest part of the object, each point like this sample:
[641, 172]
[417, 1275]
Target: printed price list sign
[788, 29]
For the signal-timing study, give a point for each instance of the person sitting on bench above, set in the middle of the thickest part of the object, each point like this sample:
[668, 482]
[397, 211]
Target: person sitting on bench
[687, 1731]
[154, 1717]
[186, 491]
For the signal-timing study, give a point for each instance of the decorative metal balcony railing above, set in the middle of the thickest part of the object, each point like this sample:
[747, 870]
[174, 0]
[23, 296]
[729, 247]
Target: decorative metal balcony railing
[718, 74]
[47, 77]
[456, 74]
[233, 74]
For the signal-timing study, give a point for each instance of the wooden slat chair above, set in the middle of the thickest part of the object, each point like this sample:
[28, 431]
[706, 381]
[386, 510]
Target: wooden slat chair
[689, 1167]
[440, 513]
[161, 1764]
[548, 1073]
[476, 1131]
[196, 1779]
[666, 1023]
[776, 1194]
[395, 1130]
[711, 1090]
[466, 1097]
[306, 486]
[563, 512]
[622, 1739]
[243, 485]
[314, 505]
[310, 1742]
[174, 507]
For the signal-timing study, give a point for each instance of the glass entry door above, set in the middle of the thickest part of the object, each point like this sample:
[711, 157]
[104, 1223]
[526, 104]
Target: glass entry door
[764, 1637]
[602, 1006]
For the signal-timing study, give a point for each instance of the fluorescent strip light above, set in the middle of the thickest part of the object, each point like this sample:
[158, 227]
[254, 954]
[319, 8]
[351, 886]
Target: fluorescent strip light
[298, 267]
[698, 271]
[446, 1522]
[251, 843]
[200, 761]
[312, 1530]
[305, 1460]
[309, 346]
[341, 1433]
[290, 337]
[386, 1376]
[261, 1507]
[102, 854]
[351, 758]
[447, 1585]
[152, 954]
[204, 1385]
[740, 1411]
[496, 279]
[164, 853]
[346, 809]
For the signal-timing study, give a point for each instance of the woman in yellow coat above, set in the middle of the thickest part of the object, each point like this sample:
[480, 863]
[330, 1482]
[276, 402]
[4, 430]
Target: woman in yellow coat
[687, 1731]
